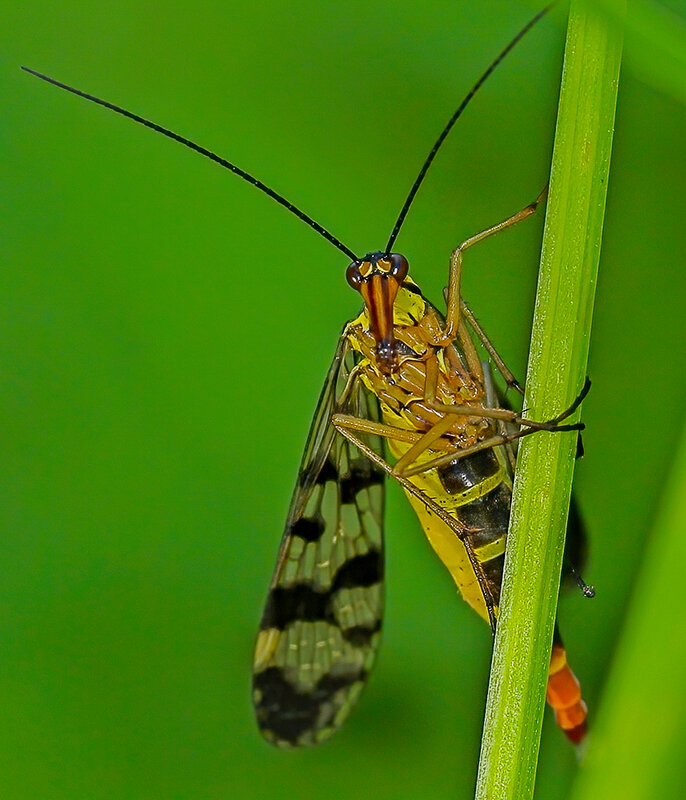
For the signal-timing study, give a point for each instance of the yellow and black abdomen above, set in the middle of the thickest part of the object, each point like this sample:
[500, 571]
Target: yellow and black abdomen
[486, 486]
[476, 491]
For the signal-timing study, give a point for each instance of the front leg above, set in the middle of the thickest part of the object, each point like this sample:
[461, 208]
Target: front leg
[452, 318]
[347, 427]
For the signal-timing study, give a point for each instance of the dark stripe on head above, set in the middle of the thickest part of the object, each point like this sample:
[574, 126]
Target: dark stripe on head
[362, 571]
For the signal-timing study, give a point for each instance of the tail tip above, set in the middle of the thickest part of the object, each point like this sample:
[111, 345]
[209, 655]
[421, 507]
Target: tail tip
[577, 734]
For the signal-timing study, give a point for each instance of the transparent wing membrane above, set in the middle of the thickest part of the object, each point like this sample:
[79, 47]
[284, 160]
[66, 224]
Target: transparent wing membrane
[322, 620]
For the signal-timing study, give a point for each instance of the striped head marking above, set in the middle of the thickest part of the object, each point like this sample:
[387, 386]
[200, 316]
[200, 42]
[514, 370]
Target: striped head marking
[377, 277]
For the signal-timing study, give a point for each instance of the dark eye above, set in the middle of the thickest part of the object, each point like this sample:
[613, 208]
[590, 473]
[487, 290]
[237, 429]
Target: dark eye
[399, 267]
[353, 275]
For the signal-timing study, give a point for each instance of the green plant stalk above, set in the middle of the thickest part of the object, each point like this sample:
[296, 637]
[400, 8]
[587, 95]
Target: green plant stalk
[636, 750]
[555, 375]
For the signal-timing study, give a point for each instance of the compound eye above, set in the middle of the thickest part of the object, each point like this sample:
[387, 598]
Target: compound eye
[354, 276]
[399, 267]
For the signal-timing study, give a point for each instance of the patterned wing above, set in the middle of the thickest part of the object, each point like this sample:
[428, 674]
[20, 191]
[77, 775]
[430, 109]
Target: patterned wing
[322, 620]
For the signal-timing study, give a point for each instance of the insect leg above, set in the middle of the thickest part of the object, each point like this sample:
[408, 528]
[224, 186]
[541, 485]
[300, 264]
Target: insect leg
[432, 439]
[379, 429]
[453, 309]
[425, 442]
[498, 440]
[514, 418]
[493, 441]
[344, 426]
[467, 313]
[502, 367]
[493, 399]
[511, 416]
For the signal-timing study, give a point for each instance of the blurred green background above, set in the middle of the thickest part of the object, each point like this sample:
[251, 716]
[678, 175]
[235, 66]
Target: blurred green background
[166, 329]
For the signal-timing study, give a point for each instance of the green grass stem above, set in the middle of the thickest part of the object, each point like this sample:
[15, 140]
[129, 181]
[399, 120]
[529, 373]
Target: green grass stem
[555, 375]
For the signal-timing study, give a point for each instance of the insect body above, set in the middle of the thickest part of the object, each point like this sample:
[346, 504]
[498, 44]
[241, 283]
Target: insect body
[395, 377]
[408, 381]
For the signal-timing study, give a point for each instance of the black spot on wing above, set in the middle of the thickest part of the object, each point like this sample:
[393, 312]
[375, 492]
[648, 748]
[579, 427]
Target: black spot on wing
[296, 603]
[360, 477]
[360, 635]
[301, 602]
[309, 529]
[290, 715]
[328, 472]
[363, 570]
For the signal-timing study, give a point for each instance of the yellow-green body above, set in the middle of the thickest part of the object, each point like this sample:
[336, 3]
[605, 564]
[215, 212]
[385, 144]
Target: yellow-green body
[404, 406]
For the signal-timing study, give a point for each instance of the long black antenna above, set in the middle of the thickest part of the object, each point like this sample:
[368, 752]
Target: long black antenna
[209, 154]
[425, 168]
